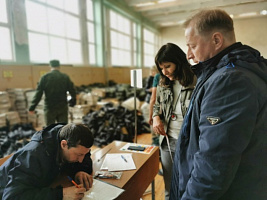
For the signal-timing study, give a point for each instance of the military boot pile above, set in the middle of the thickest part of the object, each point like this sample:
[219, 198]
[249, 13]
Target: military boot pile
[14, 139]
[114, 123]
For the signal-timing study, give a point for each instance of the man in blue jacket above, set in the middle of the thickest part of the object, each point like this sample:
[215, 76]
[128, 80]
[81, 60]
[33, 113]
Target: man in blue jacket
[221, 153]
[58, 148]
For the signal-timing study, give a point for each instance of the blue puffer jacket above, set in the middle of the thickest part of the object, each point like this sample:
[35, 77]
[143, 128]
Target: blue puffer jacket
[28, 174]
[221, 153]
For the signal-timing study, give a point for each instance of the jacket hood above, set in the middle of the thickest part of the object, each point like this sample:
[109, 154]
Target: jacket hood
[48, 136]
[236, 54]
[248, 58]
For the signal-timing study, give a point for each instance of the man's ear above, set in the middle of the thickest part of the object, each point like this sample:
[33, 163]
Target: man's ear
[64, 144]
[217, 40]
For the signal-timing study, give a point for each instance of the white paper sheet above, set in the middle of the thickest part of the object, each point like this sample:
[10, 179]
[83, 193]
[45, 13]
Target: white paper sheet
[118, 162]
[102, 191]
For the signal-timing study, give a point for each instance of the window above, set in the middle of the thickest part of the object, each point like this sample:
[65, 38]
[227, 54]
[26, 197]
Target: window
[72, 32]
[91, 32]
[54, 31]
[3, 13]
[6, 51]
[150, 45]
[134, 45]
[120, 40]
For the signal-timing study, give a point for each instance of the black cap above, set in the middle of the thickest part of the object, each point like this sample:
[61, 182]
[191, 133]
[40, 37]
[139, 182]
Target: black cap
[54, 63]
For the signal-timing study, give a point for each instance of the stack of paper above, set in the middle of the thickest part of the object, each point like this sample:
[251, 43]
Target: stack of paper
[118, 162]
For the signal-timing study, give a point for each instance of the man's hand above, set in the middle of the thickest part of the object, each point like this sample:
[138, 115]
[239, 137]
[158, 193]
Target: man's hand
[85, 179]
[158, 126]
[31, 112]
[73, 193]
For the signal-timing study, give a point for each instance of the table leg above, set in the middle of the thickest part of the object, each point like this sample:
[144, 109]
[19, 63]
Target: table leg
[153, 189]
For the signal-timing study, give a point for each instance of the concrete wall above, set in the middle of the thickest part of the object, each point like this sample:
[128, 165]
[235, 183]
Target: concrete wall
[252, 32]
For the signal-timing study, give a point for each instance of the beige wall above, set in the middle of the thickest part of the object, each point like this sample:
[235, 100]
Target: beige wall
[15, 77]
[27, 76]
[252, 32]
[174, 35]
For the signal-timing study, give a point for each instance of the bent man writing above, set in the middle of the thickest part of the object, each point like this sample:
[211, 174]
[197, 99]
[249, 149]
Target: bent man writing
[56, 149]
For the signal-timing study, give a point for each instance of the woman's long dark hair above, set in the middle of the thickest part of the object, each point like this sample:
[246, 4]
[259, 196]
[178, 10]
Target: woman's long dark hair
[172, 53]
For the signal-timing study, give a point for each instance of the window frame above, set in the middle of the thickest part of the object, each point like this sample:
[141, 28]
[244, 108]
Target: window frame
[9, 27]
[50, 35]
[129, 34]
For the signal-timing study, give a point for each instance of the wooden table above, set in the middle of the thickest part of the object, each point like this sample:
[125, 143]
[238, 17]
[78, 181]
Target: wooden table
[134, 182]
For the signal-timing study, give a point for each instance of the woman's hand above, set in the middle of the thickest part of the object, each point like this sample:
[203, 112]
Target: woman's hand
[158, 126]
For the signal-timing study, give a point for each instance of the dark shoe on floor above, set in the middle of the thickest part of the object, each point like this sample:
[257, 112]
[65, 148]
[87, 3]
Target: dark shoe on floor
[160, 172]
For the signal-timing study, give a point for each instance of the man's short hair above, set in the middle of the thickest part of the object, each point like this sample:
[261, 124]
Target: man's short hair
[206, 21]
[76, 134]
[54, 63]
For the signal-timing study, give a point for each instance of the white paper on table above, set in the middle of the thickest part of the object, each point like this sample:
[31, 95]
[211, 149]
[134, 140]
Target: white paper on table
[115, 162]
[102, 191]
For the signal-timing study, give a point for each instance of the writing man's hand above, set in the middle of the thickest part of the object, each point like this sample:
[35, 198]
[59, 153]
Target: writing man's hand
[85, 179]
[73, 193]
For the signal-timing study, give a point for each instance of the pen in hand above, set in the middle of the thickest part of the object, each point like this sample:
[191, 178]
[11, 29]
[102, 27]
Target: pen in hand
[77, 186]
[123, 158]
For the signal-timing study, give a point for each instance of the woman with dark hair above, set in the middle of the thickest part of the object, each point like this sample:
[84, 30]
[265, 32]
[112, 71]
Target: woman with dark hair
[172, 99]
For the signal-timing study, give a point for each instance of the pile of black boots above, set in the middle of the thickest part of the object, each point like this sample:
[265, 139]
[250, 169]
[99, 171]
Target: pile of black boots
[114, 123]
[15, 137]
[119, 91]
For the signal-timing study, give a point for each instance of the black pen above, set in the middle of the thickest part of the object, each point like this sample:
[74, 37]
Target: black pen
[103, 155]
[123, 158]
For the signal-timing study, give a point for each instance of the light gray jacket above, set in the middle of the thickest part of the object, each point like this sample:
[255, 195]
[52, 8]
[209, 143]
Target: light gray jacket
[164, 101]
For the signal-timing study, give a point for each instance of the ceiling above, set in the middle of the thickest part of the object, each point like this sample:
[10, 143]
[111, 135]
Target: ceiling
[173, 12]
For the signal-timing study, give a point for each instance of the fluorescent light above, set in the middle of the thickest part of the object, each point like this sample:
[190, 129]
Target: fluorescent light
[145, 4]
[181, 22]
[172, 23]
[152, 3]
[165, 1]
[263, 12]
[167, 23]
[248, 14]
